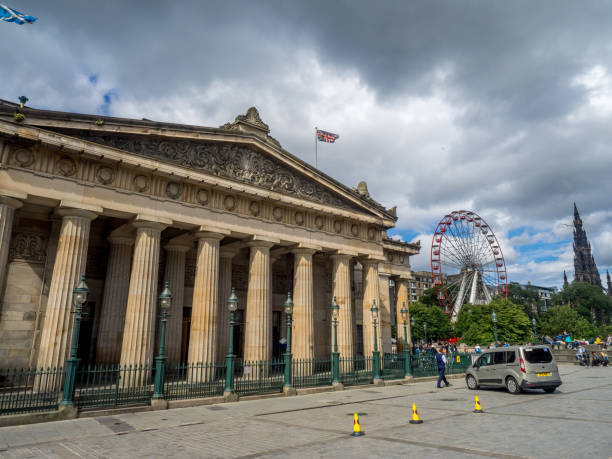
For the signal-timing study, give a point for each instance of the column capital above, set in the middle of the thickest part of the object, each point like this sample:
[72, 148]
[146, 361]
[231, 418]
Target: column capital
[182, 243]
[149, 224]
[259, 243]
[210, 235]
[74, 212]
[339, 255]
[370, 261]
[121, 240]
[10, 202]
[228, 252]
[304, 251]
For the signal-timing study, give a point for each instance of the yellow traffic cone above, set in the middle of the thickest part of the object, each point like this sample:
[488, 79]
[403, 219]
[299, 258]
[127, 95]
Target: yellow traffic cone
[356, 427]
[477, 407]
[415, 416]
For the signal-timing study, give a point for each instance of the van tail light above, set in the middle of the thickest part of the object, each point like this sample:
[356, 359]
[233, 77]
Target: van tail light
[523, 365]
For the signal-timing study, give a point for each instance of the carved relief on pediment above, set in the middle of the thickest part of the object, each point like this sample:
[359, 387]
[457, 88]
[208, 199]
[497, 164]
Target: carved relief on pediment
[228, 160]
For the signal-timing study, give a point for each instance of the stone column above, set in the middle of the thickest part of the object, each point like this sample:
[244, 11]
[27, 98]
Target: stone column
[68, 268]
[7, 214]
[138, 338]
[174, 274]
[225, 290]
[371, 291]
[385, 314]
[114, 302]
[204, 309]
[401, 294]
[258, 332]
[342, 292]
[303, 305]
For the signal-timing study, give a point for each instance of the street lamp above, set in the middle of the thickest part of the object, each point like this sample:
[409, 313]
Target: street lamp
[494, 319]
[232, 306]
[165, 300]
[375, 354]
[535, 333]
[288, 307]
[404, 313]
[335, 309]
[79, 298]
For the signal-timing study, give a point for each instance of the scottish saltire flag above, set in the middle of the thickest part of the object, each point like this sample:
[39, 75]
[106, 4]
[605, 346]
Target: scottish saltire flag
[324, 136]
[10, 15]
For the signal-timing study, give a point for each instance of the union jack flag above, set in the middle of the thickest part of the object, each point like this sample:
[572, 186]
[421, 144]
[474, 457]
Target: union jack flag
[324, 136]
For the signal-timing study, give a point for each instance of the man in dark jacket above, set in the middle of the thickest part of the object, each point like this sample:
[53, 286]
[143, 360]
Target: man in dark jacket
[441, 361]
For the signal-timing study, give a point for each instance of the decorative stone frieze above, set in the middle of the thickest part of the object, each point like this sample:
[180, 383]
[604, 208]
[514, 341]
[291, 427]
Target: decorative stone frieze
[23, 157]
[26, 245]
[66, 166]
[141, 183]
[174, 190]
[105, 174]
[202, 196]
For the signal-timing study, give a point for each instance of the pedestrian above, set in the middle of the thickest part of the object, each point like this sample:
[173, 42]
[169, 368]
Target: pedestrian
[441, 361]
[478, 349]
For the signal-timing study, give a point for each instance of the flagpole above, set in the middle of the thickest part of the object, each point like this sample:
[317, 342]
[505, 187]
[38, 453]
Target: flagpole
[316, 147]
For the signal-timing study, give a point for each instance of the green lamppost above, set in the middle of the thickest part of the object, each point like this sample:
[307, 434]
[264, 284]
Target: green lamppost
[229, 393]
[79, 297]
[288, 307]
[494, 319]
[376, 353]
[404, 313]
[535, 333]
[425, 332]
[165, 300]
[335, 354]
[411, 329]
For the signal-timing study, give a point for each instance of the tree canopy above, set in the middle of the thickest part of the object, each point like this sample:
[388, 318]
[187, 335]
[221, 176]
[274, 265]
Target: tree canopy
[589, 301]
[438, 322]
[565, 318]
[475, 326]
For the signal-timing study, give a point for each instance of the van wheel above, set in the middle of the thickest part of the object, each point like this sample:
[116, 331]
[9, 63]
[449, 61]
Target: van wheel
[512, 385]
[550, 390]
[471, 382]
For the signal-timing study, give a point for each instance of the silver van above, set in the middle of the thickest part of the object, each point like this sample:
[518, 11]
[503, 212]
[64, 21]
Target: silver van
[516, 368]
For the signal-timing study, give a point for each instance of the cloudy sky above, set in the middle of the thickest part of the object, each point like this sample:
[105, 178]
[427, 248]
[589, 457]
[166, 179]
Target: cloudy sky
[503, 108]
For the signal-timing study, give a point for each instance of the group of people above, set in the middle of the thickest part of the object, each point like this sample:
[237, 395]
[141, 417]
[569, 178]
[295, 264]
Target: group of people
[565, 339]
[594, 358]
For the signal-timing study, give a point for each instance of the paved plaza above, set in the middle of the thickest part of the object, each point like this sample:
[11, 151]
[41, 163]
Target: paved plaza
[576, 421]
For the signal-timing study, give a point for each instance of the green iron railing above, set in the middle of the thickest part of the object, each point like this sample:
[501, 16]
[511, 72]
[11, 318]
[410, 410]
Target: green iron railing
[28, 390]
[107, 386]
[186, 381]
[312, 372]
[259, 377]
[424, 364]
[357, 370]
[393, 366]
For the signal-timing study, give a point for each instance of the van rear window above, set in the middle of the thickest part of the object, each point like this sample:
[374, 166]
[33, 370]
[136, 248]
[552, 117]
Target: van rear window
[538, 355]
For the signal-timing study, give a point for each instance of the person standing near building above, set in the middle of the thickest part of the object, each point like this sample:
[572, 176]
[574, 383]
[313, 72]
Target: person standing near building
[441, 361]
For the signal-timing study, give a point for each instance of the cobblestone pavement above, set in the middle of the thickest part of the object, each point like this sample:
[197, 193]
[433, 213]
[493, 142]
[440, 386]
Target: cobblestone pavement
[576, 421]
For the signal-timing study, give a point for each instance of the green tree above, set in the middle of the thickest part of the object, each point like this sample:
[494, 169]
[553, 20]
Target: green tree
[589, 301]
[475, 326]
[438, 322]
[560, 318]
[527, 297]
[429, 297]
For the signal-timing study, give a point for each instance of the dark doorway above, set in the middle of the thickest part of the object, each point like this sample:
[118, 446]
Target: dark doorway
[239, 333]
[86, 349]
[276, 334]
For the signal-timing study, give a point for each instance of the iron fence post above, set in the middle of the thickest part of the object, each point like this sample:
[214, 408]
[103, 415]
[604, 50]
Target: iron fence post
[73, 362]
[407, 362]
[160, 360]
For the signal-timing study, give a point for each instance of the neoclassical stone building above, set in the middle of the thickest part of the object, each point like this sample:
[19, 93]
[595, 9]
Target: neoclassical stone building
[134, 203]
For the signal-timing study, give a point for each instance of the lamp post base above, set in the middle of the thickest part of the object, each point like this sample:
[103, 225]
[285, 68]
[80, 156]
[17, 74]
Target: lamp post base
[159, 404]
[230, 396]
[378, 382]
[289, 391]
[338, 386]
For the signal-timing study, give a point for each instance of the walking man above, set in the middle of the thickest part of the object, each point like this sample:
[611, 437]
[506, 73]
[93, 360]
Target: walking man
[441, 361]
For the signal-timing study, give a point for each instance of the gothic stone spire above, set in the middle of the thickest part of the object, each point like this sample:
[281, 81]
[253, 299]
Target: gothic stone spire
[565, 282]
[609, 283]
[585, 269]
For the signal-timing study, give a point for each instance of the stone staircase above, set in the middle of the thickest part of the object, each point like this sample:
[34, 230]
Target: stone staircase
[569, 355]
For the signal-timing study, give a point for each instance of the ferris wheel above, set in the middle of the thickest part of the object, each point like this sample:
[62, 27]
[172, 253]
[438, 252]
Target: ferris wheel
[467, 263]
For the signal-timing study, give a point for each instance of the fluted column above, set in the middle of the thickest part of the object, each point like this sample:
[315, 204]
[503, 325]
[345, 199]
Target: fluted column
[258, 333]
[371, 291]
[69, 265]
[202, 338]
[385, 314]
[7, 214]
[225, 289]
[138, 339]
[174, 275]
[303, 301]
[401, 294]
[342, 292]
[114, 302]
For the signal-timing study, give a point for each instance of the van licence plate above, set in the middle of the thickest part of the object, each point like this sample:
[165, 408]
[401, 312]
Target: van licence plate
[543, 374]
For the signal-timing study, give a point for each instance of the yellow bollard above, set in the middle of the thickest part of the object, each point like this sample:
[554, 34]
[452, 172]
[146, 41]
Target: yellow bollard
[458, 359]
[415, 416]
[477, 407]
[356, 427]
